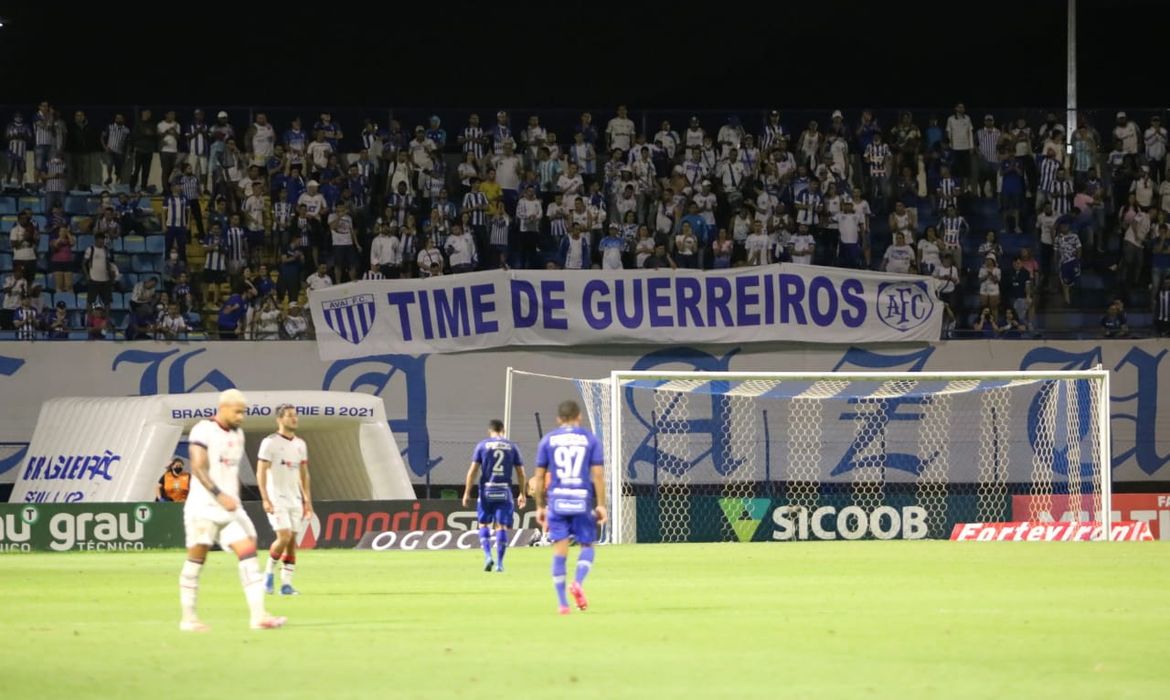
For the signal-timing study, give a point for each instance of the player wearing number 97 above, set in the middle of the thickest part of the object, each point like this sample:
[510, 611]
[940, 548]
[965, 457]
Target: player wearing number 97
[576, 480]
[494, 459]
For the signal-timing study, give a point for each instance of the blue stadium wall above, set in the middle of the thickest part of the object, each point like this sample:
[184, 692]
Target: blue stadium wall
[438, 405]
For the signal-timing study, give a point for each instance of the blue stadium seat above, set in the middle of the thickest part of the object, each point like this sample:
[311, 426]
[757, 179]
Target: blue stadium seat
[41, 221]
[41, 280]
[77, 206]
[34, 204]
[46, 300]
[82, 300]
[84, 241]
[119, 301]
[5, 262]
[143, 263]
[6, 223]
[8, 205]
[156, 245]
[134, 244]
[122, 188]
[43, 243]
[144, 203]
[78, 335]
[129, 279]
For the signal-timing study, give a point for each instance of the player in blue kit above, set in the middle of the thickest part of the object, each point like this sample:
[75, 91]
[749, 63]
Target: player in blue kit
[494, 460]
[570, 472]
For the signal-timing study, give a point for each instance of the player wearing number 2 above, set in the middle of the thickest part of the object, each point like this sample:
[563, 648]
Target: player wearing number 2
[494, 459]
[575, 482]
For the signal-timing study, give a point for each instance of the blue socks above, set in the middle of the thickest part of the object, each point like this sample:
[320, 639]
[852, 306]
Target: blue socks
[584, 564]
[485, 541]
[558, 572]
[501, 547]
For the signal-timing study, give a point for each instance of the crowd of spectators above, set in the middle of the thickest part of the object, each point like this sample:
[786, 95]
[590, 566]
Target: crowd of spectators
[269, 211]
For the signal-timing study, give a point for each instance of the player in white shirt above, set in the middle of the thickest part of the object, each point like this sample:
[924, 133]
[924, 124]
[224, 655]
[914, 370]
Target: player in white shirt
[282, 473]
[213, 514]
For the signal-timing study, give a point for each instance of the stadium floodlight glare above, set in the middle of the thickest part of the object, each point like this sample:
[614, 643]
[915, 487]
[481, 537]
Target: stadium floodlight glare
[725, 456]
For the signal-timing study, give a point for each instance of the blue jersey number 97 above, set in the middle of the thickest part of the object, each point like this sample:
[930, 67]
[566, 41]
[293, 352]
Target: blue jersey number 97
[570, 460]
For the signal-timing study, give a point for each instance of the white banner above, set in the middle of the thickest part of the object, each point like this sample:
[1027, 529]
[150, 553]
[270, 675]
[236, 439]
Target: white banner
[453, 313]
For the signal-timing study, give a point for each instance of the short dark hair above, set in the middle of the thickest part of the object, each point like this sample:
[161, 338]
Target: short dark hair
[496, 425]
[568, 410]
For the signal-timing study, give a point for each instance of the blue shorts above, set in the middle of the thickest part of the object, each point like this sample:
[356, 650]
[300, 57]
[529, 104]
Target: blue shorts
[1070, 271]
[583, 527]
[495, 512]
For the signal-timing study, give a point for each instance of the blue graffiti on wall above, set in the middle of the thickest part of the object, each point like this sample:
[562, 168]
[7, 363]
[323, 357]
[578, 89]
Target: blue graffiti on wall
[869, 447]
[9, 366]
[1144, 417]
[717, 425]
[176, 376]
[374, 381]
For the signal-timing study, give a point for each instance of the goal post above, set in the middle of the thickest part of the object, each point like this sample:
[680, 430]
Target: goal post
[740, 456]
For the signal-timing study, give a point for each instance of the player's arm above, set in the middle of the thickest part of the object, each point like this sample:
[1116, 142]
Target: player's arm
[597, 472]
[262, 467]
[306, 492]
[472, 473]
[199, 468]
[522, 480]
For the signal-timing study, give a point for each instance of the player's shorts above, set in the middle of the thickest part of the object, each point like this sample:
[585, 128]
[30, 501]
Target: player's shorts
[214, 525]
[286, 517]
[495, 512]
[582, 527]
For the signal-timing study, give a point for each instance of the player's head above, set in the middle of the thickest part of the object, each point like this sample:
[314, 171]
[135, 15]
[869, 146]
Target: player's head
[286, 417]
[233, 405]
[568, 412]
[496, 426]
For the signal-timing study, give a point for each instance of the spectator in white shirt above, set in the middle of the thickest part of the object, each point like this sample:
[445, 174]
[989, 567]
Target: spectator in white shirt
[571, 186]
[619, 133]
[386, 253]
[962, 137]
[1126, 131]
[461, 250]
[319, 151]
[319, 279]
[1155, 142]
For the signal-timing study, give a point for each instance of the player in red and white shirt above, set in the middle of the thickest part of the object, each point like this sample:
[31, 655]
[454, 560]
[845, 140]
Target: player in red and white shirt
[282, 473]
[212, 513]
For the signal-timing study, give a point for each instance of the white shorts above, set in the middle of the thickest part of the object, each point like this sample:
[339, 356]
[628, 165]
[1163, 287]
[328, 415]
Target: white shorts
[208, 526]
[286, 517]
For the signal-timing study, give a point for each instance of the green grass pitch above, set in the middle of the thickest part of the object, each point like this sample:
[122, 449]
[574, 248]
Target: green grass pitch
[801, 620]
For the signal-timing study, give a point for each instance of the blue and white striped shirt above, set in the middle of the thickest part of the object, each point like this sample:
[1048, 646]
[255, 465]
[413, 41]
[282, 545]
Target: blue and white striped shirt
[282, 213]
[45, 129]
[1048, 168]
[235, 244]
[197, 140]
[500, 226]
[471, 141]
[116, 135]
[810, 214]
[214, 259]
[948, 192]
[18, 136]
[190, 185]
[500, 134]
[476, 199]
[359, 188]
[1061, 193]
[176, 209]
[55, 180]
[401, 204]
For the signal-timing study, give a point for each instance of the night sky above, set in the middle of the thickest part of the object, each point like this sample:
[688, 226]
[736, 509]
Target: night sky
[573, 54]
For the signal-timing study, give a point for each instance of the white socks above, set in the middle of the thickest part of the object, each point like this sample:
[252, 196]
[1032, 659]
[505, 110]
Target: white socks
[189, 588]
[253, 584]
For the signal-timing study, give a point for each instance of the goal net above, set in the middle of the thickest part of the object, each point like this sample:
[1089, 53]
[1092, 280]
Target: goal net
[759, 456]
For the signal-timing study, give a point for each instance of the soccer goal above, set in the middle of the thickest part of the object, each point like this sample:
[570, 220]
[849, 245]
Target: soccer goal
[763, 456]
